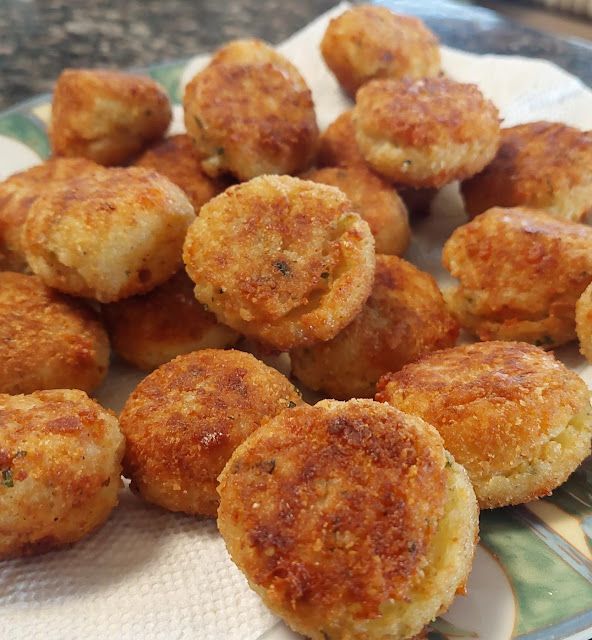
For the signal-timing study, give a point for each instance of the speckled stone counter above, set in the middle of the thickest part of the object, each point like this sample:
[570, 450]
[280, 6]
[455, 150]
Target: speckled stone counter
[38, 38]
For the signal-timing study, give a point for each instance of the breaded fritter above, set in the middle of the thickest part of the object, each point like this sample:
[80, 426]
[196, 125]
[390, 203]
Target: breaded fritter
[375, 200]
[542, 165]
[164, 323]
[584, 322]
[47, 340]
[19, 192]
[251, 113]
[425, 133]
[515, 417]
[349, 519]
[106, 116]
[521, 272]
[283, 260]
[108, 235]
[176, 158]
[185, 419]
[404, 318]
[367, 42]
[60, 465]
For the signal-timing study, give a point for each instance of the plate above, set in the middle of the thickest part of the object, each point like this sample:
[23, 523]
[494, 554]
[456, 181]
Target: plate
[532, 577]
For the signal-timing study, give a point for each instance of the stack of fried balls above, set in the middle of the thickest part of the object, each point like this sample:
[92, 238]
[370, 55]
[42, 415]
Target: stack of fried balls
[354, 518]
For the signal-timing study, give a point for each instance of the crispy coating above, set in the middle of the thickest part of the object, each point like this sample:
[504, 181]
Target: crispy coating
[108, 235]
[543, 165]
[280, 259]
[60, 465]
[47, 340]
[521, 272]
[19, 192]
[425, 133]
[368, 42]
[250, 112]
[185, 419]
[584, 322]
[106, 116]
[338, 514]
[176, 158]
[516, 418]
[168, 321]
[375, 200]
[404, 318]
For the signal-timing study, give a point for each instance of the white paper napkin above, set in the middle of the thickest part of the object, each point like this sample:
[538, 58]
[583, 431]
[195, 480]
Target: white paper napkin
[148, 574]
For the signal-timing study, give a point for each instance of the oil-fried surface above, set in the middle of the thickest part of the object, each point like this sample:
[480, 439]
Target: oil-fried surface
[168, 321]
[515, 417]
[425, 133]
[584, 322]
[368, 42]
[176, 158]
[185, 419]
[283, 260]
[106, 116]
[60, 465]
[250, 113]
[108, 235]
[404, 318]
[544, 165]
[521, 272]
[19, 192]
[333, 513]
[375, 200]
[47, 340]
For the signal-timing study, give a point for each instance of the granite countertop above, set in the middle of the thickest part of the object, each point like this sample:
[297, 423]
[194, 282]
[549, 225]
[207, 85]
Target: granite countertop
[38, 38]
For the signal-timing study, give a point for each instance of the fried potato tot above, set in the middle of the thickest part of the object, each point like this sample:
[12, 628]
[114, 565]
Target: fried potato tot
[60, 465]
[375, 200]
[250, 113]
[425, 133]
[164, 323]
[108, 235]
[520, 274]
[19, 192]
[176, 158]
[516, 418]
[542, 165]
[350, 520]
[106, 116]
[404, 318]
[283, 260]
[584, 322]
[185, 419]
[47, 340]
[368, 42]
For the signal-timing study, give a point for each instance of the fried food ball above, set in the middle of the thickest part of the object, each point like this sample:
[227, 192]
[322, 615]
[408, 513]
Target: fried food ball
[404, 318]
[108, 235]
[47, 340]
[338, 148]
[185, 419]
[19, 192]
[368, 42]
[60, 465]
[349, 519]
[516, 418]
[106, 116]
[584, 322]
[154, 328]
[520, 274]
[283, 260]
[375, 200]
[543, 165]
[425, 133]
[177, 159]
[250, 112]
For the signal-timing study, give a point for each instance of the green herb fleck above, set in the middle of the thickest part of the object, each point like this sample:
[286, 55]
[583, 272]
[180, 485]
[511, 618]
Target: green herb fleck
[281, 266]
[219, 151]
[221, 290]
[291, 404]
[268, 466]
[7, 480]
[198, 122]
[411, 546]
[20, 454]
[325, 275]
[545, 341]
[407, 163]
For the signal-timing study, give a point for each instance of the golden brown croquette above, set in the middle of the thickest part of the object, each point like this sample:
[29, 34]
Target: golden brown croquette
[584, 322]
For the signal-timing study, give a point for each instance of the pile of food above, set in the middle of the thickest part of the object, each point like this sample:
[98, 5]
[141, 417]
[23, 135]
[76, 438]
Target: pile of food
[355, 517]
